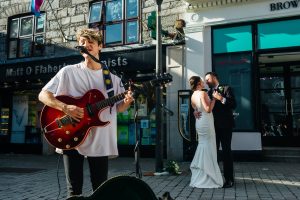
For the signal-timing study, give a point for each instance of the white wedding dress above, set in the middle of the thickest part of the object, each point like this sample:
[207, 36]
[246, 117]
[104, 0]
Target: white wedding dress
[204, 167]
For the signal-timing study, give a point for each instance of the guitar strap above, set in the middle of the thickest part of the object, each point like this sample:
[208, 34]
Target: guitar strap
[108, 83]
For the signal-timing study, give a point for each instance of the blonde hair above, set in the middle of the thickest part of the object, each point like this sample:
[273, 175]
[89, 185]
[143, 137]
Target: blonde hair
[91, 34]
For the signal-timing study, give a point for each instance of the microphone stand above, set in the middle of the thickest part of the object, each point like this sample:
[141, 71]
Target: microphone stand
[167, 110]
[138, 171]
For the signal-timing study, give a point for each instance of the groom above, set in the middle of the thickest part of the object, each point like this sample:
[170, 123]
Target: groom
[224, 122]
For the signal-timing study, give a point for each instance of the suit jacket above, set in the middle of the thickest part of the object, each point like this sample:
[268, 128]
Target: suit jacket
[223, 113]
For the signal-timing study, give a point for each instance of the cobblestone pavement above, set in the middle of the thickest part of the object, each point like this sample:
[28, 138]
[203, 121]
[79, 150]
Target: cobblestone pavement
[32, 177]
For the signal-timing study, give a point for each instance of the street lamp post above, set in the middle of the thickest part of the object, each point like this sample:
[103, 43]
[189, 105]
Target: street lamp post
[158, 92]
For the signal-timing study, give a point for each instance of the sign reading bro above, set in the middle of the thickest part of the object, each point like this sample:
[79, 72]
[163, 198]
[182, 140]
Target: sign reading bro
[284, 5]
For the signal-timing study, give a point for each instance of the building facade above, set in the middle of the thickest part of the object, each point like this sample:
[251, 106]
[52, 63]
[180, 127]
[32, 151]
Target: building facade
[254, 46]
[34, 48]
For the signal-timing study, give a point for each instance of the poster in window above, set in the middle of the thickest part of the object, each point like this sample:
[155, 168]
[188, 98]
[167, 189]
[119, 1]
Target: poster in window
[95, 12]
[26, 26]
[14, 28]
[131, 8]
[40, 24]
[19, 118]
[113, 34]
[142, 106]
[25, 47]
[122, 134]
[132, 32]
[39, 45]
[12, 53]
[114, 10]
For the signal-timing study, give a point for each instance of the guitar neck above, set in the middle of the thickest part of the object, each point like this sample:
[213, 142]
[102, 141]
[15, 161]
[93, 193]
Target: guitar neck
[166, 78]
[110, 101]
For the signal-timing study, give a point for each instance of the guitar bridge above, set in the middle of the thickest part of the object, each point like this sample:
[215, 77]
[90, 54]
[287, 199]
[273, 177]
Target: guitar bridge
[58, 122]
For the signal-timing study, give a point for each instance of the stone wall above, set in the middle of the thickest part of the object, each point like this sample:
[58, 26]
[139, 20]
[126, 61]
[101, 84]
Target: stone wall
[65, 17]
[171, 10]
[68, 16]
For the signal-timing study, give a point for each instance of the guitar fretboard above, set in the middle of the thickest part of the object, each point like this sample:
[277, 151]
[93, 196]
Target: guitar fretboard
[65, 120]
[110, 101]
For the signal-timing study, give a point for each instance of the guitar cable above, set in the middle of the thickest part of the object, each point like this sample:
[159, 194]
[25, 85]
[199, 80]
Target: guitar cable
[57, 175]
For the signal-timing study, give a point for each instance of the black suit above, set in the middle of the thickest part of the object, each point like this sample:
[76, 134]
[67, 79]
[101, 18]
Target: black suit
[224, 123]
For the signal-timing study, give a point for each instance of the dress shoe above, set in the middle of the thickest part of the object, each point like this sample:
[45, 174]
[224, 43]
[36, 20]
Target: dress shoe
[228, 184]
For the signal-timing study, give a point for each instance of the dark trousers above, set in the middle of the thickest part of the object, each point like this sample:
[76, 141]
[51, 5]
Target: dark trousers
[73, 164]
[224, 136]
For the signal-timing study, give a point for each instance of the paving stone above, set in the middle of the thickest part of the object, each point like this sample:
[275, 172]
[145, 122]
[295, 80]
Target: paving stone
[36, 177]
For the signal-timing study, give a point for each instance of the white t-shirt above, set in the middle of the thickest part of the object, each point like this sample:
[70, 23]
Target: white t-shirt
[76, 80]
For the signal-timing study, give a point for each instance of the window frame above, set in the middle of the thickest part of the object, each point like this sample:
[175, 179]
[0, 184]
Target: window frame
[239, 29]
[17, 52]
[251, 90]
[124, 20]
[10, 30]
[36, 24]
[20, 26]
[90, 9]
[261, 29]
[253, 61]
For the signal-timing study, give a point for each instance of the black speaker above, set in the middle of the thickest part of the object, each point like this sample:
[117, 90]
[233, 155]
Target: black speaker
[119, 188]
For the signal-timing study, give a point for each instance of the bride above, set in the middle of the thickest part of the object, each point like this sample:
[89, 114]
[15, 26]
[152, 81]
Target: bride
[204, 167]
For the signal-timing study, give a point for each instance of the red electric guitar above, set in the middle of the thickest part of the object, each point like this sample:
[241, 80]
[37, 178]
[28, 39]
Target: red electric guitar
[63, 132]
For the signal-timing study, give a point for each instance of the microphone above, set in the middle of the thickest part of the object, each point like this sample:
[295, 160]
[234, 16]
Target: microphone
[82, 49]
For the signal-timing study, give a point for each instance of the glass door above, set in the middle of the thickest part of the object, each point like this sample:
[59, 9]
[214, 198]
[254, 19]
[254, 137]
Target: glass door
[295, 100]
[280, 105]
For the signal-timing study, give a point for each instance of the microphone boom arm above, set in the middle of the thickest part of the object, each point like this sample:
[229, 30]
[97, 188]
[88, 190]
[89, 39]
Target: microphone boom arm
[82, 49]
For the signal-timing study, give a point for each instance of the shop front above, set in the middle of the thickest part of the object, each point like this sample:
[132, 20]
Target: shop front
[20, 109]
[255, 49]
[279, 100]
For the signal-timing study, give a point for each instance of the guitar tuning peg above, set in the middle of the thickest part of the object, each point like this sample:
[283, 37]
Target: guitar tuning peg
[170, 84]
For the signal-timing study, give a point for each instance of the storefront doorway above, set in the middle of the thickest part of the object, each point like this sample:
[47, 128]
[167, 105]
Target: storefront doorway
[279, 85]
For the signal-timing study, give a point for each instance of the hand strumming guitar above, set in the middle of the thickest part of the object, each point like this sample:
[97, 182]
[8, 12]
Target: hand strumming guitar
[73, 111]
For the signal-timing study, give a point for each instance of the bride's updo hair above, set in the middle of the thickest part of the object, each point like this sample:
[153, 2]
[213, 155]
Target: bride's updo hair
[194, 81]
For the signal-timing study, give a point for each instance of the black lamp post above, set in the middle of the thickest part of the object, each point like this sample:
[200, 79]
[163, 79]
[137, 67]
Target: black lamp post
[158, 92]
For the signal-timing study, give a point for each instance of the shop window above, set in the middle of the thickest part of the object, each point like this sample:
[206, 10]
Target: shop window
[118, 20]
[145, 123]
[233, 39]
[25, 126]
[279, 34]
[26, 36]
[236, 71]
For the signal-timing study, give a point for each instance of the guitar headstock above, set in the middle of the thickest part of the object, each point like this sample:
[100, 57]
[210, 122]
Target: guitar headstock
[159, 80]
[162, 79]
